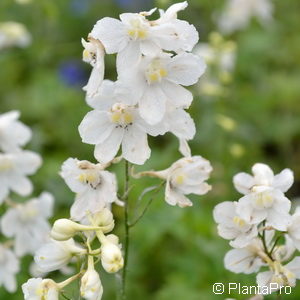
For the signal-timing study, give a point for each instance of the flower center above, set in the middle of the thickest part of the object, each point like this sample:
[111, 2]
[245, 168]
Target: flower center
[155, 71]
[137, 30]
[263, 200]
[122, 115]
[90, 177]
[6, 163]
[239, 222]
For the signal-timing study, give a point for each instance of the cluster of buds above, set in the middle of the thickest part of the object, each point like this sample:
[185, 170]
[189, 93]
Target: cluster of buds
[261, 229]
[72, 241]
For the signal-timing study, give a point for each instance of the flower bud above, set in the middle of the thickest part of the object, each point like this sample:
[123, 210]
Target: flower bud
[64, 229]
[111, 257]
[104, 219]
[91, 287]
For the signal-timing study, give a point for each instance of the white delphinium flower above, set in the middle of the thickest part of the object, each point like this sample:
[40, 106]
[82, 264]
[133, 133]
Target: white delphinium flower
[263, 176]
[232, 227]
[14, 167]
[13, 133]
[238, 13]
[119, 124]
[54, 255]
[158, 82]
[28, 224]
[245, 260]
[185, 176]
[282, 275]
[135, 35]
[95, 187]
[40, 289]
[13, 34]
[264, 198]
[9, 267]
[91, 286]
[265, 204]
[94, 55]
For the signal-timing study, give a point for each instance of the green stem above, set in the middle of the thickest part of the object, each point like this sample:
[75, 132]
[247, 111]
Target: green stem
[127, 228]
[157, 189]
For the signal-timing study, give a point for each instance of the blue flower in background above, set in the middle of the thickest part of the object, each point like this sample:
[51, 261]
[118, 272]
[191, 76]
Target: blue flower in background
[72, 73]
[135, 5]
[80, 7]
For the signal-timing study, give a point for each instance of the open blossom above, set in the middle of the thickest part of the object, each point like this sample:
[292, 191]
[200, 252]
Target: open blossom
[158, 82]
[244, 260]
[282, 275]
[121, 125]
[9, 267]
[95, 187]
[13, 133]
[55, 255]
[238, 13]
[265, 204]
[28, 224]
[14, 34]
[232, 226]
[264, 196]
[263, 176]
[40, 289]
[134, 35]
[14, 167]
[94, 55]
[185, 176]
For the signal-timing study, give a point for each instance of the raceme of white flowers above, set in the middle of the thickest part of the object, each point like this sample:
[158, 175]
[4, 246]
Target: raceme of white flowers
[238, 13]
[261, 229]
[24, 225]
[154, 66]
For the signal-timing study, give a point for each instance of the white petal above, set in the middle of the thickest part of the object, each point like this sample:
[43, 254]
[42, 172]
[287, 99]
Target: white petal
[181, 124]
[135, 146]
[173, 197]
[263, 175]
[28, 162]
[243, 182]
[46, 203]
[111, 33]
[108, 149]
[185, 69]
[224, 212]
[264, 278]
[284, 180]
[152, 106]
[294, 266]
[95, 81]
[9, 223]
[177, 95]
[21, 185]
[129, 56]
[95, 127]
[184, 148]
[241, 261]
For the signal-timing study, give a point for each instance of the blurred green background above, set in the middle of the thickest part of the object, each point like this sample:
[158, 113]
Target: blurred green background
[174, 253]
